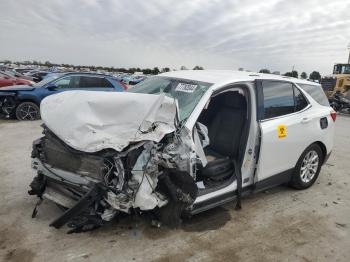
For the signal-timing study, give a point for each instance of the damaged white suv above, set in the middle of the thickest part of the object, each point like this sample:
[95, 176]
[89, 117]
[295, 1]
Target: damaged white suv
[178, 144]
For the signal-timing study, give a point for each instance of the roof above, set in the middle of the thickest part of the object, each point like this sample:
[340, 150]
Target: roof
[84, 73]
[222, 77]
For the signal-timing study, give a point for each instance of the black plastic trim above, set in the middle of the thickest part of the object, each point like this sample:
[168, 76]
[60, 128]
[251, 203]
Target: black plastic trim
[274, 180]
[90, 197]
[259, 100]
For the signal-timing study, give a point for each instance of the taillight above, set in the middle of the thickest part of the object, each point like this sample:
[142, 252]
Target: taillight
[333, 115]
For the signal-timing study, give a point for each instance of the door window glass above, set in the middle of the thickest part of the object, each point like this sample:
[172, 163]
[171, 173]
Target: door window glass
[63, 83]
[278, 98]
[94, 82]
[67, 82]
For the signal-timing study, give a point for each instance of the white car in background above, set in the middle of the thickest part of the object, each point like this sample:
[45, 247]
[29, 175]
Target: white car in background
[179, 143]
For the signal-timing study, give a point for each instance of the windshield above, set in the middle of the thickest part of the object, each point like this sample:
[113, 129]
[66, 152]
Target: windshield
[342, 69]
[186, 92]
[46, 80]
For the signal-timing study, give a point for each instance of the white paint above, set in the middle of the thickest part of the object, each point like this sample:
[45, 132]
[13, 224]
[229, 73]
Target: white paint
[91, 121]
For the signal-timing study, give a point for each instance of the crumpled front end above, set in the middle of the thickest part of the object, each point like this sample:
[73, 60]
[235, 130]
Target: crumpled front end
[94, 187]
[8, 104]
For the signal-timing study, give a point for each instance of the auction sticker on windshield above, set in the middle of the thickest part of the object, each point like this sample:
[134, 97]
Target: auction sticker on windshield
[188, 88]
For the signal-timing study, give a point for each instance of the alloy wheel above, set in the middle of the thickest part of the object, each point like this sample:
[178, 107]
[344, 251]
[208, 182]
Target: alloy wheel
[28, 112]
[309, 166]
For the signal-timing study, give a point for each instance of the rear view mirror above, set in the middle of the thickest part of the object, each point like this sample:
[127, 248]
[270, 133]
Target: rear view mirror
[51, 87]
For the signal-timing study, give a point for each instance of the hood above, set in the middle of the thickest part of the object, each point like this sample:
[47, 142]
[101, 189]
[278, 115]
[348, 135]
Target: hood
[17, 88]
[91, 121]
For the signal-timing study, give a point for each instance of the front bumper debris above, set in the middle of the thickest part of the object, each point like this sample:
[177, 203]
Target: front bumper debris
[94, 188]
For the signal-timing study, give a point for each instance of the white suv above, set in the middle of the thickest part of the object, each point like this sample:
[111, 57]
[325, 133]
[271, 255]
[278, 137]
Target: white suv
[179, 143]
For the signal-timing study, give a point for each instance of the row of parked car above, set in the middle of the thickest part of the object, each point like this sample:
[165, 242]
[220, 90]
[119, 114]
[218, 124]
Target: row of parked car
[131, 79]
[22, 98]
[22, 91]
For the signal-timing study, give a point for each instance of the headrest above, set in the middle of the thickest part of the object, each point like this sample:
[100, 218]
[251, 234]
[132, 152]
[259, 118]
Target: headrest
[233, 99]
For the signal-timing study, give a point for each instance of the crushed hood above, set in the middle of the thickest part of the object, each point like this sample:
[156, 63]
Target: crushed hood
[91, 121]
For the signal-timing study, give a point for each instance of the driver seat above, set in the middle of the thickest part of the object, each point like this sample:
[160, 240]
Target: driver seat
[225, 130]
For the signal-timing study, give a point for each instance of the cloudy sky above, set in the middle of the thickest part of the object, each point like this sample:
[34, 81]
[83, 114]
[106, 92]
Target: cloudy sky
[225, 34]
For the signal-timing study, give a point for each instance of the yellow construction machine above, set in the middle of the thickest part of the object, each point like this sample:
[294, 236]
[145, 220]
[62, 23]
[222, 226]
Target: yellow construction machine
[338, 81]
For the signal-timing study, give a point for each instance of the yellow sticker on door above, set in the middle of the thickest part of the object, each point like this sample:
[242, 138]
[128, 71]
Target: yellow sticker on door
[282, 131]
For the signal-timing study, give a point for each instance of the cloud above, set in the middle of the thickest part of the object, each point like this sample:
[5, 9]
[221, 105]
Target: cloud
[274, 34]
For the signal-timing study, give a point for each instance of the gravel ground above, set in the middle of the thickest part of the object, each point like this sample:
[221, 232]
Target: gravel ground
[278, 225]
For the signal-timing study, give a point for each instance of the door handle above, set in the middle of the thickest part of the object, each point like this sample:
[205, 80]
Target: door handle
[305, 120]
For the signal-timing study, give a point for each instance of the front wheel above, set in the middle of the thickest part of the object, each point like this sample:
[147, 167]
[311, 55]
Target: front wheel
[27, 111]
[308, 168]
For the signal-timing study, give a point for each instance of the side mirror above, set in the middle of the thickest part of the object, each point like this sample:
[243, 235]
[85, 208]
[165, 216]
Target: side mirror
[51, 87]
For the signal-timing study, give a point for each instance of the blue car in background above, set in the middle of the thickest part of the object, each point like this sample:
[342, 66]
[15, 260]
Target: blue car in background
[133, 79]
[23, 102]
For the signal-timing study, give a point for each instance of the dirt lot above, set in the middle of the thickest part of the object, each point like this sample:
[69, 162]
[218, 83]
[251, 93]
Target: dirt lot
[279, 225]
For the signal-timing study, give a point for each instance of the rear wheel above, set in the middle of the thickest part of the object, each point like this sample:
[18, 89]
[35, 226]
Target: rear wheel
[27, 111]
[307, 168]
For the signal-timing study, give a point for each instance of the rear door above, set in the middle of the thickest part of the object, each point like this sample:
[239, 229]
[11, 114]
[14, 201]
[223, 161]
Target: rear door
[286, 128]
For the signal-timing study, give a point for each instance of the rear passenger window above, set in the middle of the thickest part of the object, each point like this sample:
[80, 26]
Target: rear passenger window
[278, 98]
[105, 83]
[316, 92]
[94, 82]
[282, 98]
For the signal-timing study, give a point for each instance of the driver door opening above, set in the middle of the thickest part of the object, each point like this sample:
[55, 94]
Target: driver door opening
[226, 121]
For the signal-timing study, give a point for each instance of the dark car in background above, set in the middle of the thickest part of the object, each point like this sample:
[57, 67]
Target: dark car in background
[38, 75]
[23, 102]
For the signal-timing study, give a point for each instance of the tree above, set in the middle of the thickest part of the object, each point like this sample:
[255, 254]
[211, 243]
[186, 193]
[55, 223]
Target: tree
[265, 71]
[183, 68]
[147, 71]
[165, 69]
[198, 68]
[155, 71]
[315, 76]
[303, 75]
[292, 74]
[241, 69]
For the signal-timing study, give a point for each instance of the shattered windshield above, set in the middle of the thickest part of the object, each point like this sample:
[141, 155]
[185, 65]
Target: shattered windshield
[186, 92]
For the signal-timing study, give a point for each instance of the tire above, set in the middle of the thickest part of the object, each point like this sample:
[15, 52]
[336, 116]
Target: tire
[28, 111]
[307, 168]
